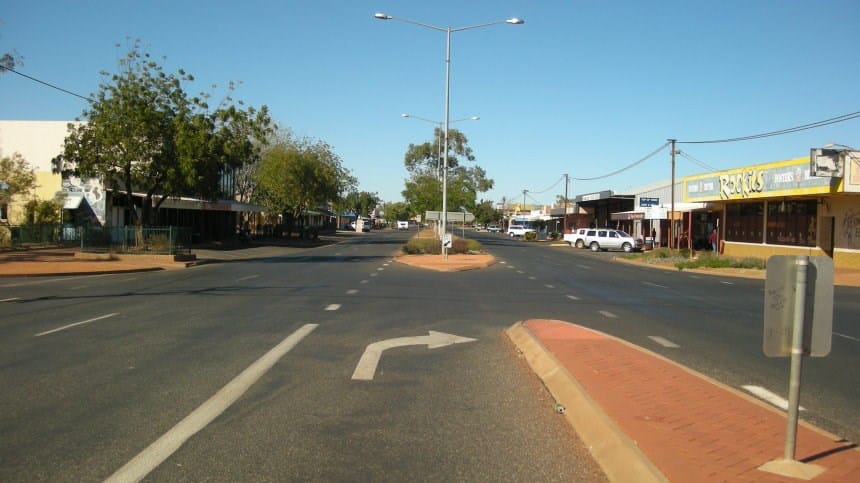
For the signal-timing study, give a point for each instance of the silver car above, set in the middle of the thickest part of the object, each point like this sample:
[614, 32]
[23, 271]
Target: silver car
[607, 239]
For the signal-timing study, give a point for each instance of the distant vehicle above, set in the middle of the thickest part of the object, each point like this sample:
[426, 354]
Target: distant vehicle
[494, 229]
[402, 225]
[576, 238]
[607, 239]
[364, 222]
[519, 230]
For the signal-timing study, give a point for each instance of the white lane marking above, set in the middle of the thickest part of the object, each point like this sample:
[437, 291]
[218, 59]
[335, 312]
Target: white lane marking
[351, 291]
[607, 313]
[532, 278]
[40, 334]
[249, 277]
[695, 276]
[847, 336]
[655, 285]
[769, 397]
[374, 274]
[586, 267]
[366, 367]
[332, 307]
[520, 271]
[364, 281]
[127, 279]
[50, 280]
[11, 299]
[79, 287]
[549, 286]
[663, 341]
[385, 264]
[503, 262]
[728, 283]
[148, 459]
[380, 269]
[572, 297]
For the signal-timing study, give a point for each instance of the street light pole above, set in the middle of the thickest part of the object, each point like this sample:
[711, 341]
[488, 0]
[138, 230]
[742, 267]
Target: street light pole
[448, 31]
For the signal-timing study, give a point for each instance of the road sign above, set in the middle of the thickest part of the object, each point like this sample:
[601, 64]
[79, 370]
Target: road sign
[779, 304]
[649, 202]
[446, 241]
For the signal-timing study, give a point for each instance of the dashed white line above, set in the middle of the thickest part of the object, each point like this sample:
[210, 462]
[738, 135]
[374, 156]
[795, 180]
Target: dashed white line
[549, 286]
[148, 459]
[11, 299]
[607, 313]
[380, 269]
[249, 277]
[40, 334]
[663, 341]
[79, 287]
[847, 336]
[769, 397]
[572, 297]
[520, 271]
[532, 278]
[651, 284]
[332, 307]
[586, 267]
[351, 291]
[364, 281]
[728, 283]
[374, 274]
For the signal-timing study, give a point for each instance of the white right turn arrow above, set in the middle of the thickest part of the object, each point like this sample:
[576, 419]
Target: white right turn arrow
[366, 367]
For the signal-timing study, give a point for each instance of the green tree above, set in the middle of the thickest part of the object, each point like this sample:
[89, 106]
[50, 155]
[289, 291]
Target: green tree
[145, 134]
[486, 214]
[362, 202]
[38, 211]
[297, 175]
[395, 211]
[18, 178]
[427, 158]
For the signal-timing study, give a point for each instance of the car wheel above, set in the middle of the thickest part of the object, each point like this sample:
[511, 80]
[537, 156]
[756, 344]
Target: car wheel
[595, 247]
[627, 247]
[579, 244]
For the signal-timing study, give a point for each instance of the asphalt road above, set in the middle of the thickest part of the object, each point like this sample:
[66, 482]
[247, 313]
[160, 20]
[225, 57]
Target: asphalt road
[716, 322]
[243, 371]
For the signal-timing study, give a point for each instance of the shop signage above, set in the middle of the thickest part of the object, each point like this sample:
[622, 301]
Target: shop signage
[784, 178]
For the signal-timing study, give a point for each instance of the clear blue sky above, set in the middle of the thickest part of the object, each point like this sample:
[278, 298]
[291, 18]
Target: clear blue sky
[583, 87]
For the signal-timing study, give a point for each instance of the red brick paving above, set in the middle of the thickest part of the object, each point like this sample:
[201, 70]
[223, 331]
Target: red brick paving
[690, 427]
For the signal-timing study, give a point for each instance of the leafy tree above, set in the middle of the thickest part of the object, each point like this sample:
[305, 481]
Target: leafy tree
[296, 175]
[486, 214]
[397, 211]
[43, 211]
[559, 200]
[427, 158]
[145, 134]
[18, 178]
[362, 202]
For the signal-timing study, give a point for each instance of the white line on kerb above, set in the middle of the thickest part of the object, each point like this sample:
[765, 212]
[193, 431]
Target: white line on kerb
[607, 313]
[40, 334]
[333, 307]
[148, 459]
[769, 397]
[249, 277]
[11, 299]
[664, 341]
[572, 297]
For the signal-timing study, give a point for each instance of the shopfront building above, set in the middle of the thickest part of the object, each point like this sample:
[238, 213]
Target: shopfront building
[782, 208]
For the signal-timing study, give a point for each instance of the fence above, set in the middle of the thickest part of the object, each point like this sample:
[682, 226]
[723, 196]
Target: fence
[167, 240]
[35, 235]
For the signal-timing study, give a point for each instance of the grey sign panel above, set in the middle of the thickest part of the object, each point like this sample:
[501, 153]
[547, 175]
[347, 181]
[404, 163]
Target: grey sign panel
[453, 216]
[779, 303]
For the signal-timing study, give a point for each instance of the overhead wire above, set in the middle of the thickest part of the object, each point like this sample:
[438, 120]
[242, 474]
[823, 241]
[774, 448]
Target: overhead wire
[804, 127]
[52, 86]
[549, 188]
[629, 166]
[690, 158]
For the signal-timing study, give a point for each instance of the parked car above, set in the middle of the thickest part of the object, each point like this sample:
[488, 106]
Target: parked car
[576, 238]
[607, 239]
[519, 230]
[494, 229]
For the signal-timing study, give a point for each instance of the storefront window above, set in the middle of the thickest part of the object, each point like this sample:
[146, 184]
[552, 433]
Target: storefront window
[791, 222]
[745, 222]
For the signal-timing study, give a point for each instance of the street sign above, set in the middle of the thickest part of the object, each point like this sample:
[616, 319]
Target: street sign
[779, 304]
[453, 216]
[649, 202]
[446, 241]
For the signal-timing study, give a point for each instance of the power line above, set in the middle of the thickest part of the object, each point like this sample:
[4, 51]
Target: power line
[649, 156]
[812, 125]
[52, 86]
[696, 161]
[547, 189]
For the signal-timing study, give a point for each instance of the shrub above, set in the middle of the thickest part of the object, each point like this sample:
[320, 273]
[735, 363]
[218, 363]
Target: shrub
[530, 236]
[432, 246]
[465, 245]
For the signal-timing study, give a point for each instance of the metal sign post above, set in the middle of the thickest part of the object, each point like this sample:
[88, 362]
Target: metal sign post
[798, 321]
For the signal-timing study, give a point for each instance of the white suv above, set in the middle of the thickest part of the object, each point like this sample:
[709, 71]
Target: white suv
[519, 230]
[607, 239]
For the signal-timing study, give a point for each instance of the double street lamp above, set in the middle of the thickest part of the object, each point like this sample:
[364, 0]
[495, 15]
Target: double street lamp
[448, 31]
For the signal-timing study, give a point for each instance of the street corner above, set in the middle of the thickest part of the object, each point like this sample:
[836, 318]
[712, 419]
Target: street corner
[453, 263]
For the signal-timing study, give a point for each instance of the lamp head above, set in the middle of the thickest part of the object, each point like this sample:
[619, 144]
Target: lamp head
[513, 21]
[382, 16]
[404, 115]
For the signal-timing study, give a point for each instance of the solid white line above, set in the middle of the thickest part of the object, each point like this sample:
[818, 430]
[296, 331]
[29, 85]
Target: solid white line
[769, 397]
[249, 277]
[606, 313]
[40, 334]
[148, 459]
[663, 341]
[9, 300]
[572, 297]
[333, 307]
[655, 285]
[847, 336]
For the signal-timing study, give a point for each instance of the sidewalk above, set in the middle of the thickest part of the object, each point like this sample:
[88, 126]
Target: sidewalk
[646, 418]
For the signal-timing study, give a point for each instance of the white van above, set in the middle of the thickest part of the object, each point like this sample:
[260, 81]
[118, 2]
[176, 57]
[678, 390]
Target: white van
[402, 225]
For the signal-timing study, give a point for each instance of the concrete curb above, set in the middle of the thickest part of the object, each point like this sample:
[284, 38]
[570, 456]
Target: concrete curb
[618, 456]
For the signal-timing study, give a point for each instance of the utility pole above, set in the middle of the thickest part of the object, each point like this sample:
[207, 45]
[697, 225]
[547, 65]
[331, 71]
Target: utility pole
[672, 238]
[564, 216]
[524, 198]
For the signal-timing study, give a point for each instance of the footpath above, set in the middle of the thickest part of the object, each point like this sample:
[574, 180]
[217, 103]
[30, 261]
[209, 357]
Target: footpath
[643, 417]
